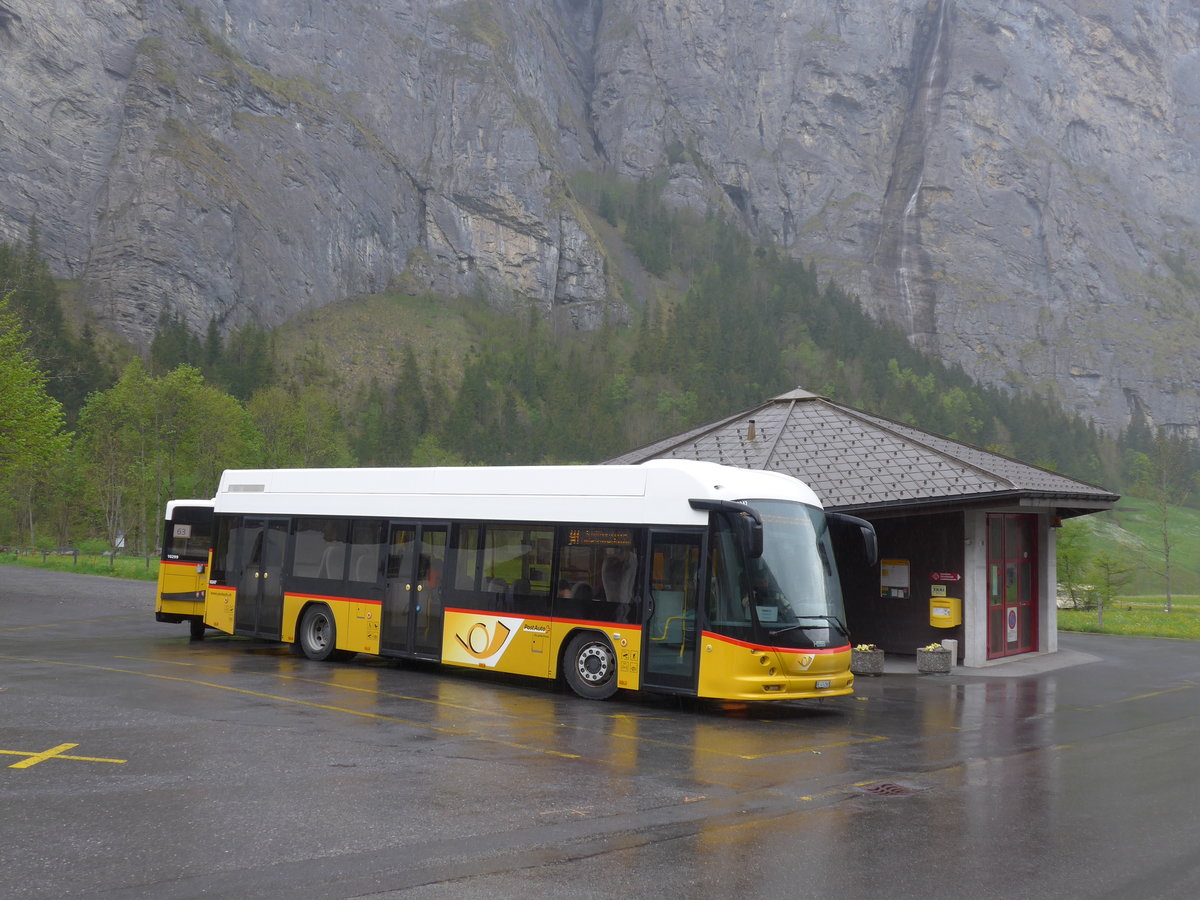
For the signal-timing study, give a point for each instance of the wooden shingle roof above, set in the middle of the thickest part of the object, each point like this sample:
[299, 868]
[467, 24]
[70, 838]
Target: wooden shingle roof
[857, 461]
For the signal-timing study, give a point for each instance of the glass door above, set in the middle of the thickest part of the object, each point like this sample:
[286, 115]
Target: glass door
[260, 545]
[1012, 584]
[412, 604]
[669, 632]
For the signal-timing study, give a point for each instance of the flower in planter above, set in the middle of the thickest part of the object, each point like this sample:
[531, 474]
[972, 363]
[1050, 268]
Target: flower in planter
[932, 647]
[867, 659]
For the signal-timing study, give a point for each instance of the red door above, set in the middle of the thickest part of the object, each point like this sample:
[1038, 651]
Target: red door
[1012, 584]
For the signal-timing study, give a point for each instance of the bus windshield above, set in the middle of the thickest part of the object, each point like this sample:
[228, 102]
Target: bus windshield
[795, 595]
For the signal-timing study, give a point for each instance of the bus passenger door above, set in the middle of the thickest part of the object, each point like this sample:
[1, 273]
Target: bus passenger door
[260, 551]
[412, 607]
[670, 634]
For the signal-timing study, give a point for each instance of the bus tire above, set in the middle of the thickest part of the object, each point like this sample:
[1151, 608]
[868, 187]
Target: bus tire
[318, 635]
[591, 666]
[196, 629]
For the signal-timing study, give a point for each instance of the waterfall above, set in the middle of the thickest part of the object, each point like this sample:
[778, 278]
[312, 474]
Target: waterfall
[899, 264]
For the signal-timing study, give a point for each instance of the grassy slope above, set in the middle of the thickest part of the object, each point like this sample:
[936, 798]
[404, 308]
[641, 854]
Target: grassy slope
[366, 337]
[1131, 531]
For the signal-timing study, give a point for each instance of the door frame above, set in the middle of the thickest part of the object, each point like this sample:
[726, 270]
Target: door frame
[649, 679]
[414, 591]
[1002, 562]
[271, 630]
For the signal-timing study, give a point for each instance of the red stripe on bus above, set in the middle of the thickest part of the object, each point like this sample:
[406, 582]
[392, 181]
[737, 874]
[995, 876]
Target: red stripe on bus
[770, 649]
[592, 623]
[330, 599]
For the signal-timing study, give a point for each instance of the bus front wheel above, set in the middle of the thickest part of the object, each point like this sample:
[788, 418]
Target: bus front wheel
[318, 635]
[591, 666]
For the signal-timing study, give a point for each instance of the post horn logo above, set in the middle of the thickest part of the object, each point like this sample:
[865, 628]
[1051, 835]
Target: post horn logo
[479, 644]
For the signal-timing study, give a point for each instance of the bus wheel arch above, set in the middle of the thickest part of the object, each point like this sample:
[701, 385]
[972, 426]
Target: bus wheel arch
[317, 634]
[589, 665]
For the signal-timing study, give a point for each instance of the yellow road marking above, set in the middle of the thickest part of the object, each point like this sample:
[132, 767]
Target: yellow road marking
[32, 759]
[526, 717]
[1182, 687]
[634, 738]
[453, 732]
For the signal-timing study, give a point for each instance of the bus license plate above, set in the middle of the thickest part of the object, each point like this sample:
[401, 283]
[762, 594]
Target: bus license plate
[823, 685]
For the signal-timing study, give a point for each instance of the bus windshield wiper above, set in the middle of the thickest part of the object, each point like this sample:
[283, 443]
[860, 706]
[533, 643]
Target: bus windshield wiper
[834, 619]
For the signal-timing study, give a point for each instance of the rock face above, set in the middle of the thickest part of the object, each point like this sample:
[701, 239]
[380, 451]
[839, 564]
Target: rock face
[1013, 182]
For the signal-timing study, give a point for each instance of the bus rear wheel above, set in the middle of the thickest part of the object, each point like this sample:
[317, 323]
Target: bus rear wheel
[318, 635]
[591, 666]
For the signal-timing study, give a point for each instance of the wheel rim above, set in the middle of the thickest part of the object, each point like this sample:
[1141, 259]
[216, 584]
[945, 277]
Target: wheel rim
[594, 663]
[318, 632]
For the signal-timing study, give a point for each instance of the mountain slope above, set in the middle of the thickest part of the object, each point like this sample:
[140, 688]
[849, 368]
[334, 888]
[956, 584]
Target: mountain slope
[1013, 183]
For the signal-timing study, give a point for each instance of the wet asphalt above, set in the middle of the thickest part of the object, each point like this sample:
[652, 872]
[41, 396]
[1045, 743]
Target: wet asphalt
[134, 763]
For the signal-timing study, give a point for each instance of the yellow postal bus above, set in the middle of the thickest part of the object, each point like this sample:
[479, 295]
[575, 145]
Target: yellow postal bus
[183, 569]
[676, 576]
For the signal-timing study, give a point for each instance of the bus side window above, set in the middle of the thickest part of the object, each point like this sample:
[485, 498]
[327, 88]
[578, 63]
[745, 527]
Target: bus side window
[465, 544]
[310, 544]
[366, 549]
[220, 561]
[728, 599]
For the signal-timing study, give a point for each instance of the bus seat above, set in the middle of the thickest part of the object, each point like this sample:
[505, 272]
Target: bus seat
[581, 590]
[333, 562]
[365, 565]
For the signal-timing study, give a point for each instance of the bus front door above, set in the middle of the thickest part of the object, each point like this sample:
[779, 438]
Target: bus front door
[669, 632]
[260, 550]
[411, 623]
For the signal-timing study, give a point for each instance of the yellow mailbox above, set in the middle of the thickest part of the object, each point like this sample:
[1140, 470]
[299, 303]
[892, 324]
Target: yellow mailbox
[945, 612]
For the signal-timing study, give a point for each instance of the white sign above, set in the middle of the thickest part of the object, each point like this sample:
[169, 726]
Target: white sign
[893, 578]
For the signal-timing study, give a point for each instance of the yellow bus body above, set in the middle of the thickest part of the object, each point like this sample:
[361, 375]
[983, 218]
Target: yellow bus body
[530, 645]
[181, 588]
[733, 670]
[218, 608]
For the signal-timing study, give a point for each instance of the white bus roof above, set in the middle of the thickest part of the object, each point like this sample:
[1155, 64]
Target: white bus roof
[172, 505]
[653, 492]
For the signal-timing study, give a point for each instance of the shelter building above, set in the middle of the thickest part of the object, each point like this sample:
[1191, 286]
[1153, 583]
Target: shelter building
[966, 536]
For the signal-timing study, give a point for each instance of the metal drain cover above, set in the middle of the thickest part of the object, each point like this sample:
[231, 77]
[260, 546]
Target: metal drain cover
[890, 789]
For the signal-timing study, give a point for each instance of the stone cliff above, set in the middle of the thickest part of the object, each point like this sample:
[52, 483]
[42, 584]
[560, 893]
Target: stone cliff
[1013, 182]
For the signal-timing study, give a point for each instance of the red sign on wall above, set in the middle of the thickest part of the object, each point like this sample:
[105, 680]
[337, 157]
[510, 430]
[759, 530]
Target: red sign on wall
[945, 576]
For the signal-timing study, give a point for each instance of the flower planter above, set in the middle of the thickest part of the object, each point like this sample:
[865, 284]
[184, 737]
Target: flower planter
[866, 662]
[933, 662]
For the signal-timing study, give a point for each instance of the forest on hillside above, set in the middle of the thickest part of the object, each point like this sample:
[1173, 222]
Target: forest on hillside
[96, 436]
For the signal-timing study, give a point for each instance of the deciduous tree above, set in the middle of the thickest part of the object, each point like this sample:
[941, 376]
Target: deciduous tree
[32, 441]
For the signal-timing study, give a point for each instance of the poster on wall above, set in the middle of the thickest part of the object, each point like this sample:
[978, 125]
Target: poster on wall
[893, 579]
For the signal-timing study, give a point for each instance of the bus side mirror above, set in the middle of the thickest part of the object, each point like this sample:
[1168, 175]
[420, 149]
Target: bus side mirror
[845, 527]
[750, 531]
[747, 524]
